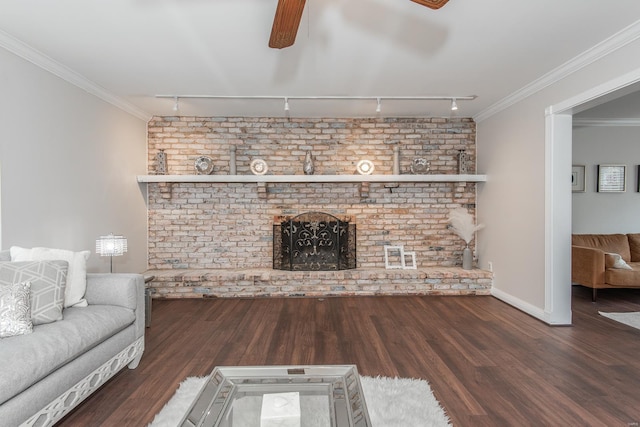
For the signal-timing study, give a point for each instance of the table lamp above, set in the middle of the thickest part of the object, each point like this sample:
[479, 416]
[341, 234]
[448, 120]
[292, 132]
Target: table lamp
[111, 246]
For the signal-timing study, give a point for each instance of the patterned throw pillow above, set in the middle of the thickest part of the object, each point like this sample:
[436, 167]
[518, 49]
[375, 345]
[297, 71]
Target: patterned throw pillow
[15, 312]
[48, 279]
[77, 277]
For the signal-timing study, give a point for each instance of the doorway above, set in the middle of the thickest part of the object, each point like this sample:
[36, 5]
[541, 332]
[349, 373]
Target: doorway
[558, 149]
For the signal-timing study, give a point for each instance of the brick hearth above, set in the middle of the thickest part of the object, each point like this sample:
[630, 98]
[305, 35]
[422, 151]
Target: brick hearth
[259, 282]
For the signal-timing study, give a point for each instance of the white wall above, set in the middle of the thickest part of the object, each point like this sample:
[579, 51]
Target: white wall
[513, 203]
[69, 162]
[595, 212]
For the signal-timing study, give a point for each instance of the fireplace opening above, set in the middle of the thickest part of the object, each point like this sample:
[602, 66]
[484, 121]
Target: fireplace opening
[314, 241]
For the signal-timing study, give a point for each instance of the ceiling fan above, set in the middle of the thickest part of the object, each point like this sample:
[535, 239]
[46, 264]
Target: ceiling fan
[289, 13]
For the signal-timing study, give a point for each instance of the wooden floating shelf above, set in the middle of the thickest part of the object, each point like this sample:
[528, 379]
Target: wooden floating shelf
[310, 178]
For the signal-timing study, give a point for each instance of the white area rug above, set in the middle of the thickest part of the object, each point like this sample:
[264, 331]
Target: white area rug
[392, 402]
[631, 318]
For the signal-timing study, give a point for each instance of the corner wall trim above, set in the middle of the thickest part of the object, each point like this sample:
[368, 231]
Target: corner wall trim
[602, 49]
[41, 60]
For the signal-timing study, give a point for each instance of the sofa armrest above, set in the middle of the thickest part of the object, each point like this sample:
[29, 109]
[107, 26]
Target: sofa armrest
[587, 266]
[125, 290]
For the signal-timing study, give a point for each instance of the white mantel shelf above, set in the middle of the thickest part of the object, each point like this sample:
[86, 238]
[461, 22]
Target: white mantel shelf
[311, 178]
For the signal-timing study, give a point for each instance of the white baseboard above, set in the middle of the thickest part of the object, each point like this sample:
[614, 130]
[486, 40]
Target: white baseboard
[531, 310]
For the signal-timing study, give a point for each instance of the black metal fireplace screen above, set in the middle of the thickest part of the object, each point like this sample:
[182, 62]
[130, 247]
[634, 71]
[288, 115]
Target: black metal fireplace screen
[314, 241]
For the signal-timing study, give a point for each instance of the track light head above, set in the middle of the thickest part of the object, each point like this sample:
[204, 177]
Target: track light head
[454, 105]
[286, 104]
[378, 107]
[176, 106]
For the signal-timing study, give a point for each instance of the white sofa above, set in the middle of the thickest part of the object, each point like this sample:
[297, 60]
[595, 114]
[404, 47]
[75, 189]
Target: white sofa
[46, 373]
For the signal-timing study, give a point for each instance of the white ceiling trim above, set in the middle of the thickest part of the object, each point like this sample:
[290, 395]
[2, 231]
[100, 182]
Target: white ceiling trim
[602, 49]
[41, 60]
[584, 122]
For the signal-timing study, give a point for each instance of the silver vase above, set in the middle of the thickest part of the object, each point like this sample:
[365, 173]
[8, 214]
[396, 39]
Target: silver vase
[467, 259]
[307, 166]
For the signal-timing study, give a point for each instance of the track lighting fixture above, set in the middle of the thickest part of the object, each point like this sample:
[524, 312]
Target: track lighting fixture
[378, 99]
[176, 107]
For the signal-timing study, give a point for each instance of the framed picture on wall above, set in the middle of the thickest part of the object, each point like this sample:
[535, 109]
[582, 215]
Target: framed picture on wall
[578, 179]
[612, 178]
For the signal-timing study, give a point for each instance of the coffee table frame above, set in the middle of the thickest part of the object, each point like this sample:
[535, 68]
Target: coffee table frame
[340, 383]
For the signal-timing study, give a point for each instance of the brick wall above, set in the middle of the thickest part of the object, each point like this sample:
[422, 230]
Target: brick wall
[212, 225]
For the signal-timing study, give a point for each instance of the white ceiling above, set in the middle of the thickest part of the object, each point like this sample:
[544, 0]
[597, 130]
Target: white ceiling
[134, 50]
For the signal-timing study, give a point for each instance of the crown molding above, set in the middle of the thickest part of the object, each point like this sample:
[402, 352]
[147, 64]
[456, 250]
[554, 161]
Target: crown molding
[600, 50]
[590, 122]
[41, 60]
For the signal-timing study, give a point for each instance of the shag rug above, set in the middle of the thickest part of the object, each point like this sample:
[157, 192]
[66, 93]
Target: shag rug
[391, 402]
[630, 318]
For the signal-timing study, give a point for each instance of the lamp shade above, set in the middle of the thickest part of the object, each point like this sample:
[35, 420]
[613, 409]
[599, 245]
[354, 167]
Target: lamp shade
[111, 245]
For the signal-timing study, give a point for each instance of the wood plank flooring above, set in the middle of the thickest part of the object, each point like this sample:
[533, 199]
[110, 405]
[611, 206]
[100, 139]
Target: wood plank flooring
[488, 363]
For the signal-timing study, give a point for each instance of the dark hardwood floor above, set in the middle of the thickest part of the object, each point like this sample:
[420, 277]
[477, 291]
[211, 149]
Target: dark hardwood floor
[488, 363]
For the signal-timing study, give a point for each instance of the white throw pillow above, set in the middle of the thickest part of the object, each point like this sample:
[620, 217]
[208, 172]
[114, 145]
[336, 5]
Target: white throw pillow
[15, 310]
[76, 276]
[615, 261]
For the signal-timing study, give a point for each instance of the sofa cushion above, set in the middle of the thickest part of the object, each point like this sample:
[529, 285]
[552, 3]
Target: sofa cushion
[613, 243]
[15, 309]
[623, 278]
[77, 274]
[28, 358]
[634, 246]
[48, 279]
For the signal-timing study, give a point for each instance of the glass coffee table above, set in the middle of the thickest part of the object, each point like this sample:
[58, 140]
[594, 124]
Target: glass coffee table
[325, 396]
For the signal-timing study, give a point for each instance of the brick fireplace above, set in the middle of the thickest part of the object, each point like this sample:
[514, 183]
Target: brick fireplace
[314, 241]
[216, 239]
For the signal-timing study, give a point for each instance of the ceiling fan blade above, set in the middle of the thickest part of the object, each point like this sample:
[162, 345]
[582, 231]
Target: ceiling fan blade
[285, 23]
[433, 4]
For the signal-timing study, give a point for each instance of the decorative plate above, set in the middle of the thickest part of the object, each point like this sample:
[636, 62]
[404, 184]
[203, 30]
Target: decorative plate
[204, 165]
[365, 167]
[420, 165]
[259, 167]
